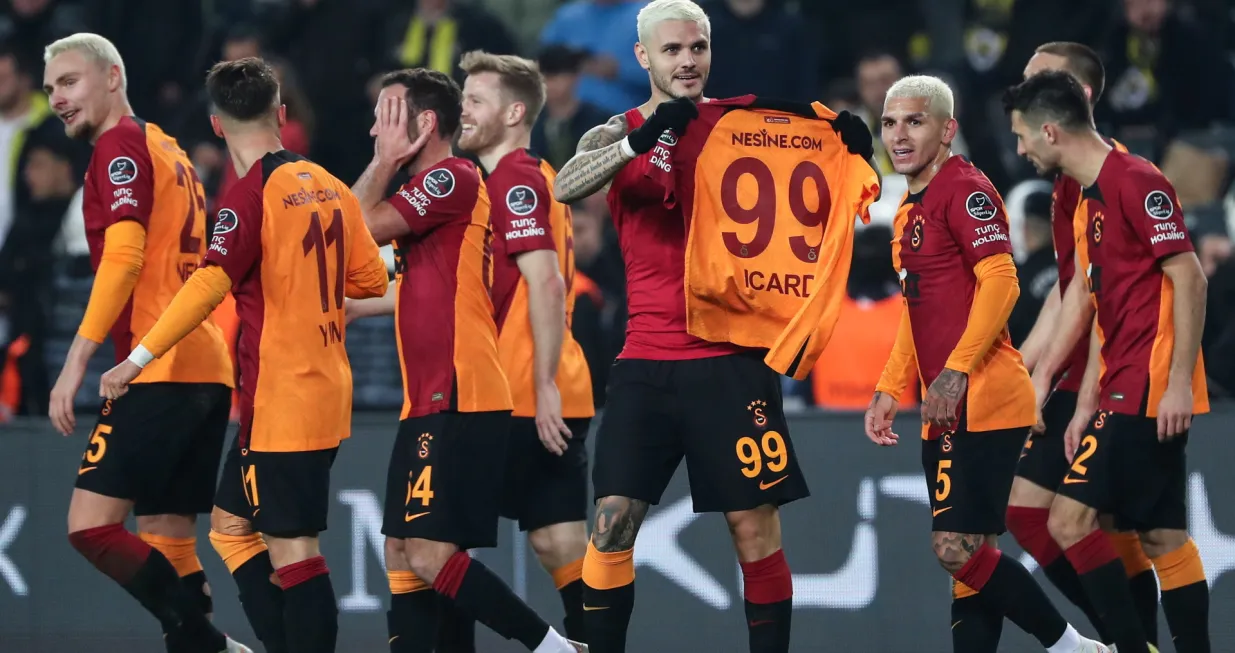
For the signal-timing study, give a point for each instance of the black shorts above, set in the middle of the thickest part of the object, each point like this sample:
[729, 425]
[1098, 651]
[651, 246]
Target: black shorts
[1120, 468]
[543, 489]
[969, 478]
[724, 415]
[282, 493]
[445, 478]
[159, 446]
[1043, 461]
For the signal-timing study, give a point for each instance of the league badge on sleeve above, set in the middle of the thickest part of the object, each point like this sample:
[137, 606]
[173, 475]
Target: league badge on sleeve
[1159, 205]
[439, 183]
[122, 170]
[521, 200]
[227, 221]
[980, 207]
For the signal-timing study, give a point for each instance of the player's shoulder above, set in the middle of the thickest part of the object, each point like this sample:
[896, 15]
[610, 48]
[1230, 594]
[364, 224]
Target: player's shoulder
[451, 176]
[120, 151]
[959, 180]
[1128, 172]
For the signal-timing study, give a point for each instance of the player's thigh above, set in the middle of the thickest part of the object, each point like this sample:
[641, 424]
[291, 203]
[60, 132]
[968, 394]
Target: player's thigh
[137, 441]
[969, 477]
[1153, 476]
[543, 488]
[739, 454]
[1092, 478]
[1043, 462]
[285, 493]
[189, 487]
[638, 446]
[446, 478]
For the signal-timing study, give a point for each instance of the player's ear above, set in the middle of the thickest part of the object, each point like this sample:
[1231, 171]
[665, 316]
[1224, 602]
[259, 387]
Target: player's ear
[515, 113]
[426, 122]
[1050, 133]
[282, 115]
[114, 78]
[641, 53]
[216, 126]
[949, 130]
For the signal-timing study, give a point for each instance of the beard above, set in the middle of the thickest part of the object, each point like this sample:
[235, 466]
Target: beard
[664, 84]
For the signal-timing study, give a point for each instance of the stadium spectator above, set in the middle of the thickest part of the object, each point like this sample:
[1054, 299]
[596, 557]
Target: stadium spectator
[612, 78]
[766, 51]
[566, 117]
[435, 33]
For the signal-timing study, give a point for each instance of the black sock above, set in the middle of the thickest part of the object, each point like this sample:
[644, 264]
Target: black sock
[456, 629]
[572, 602]
[606, 617]
[482, 594]
[156, 585]
[976, 625]
[1187, 613]
[195, 585]
[411, 621]
[311, 616]
[1009, 588]
[1063, 576]
[1144, 587]
[262, 601]
[1107, 586]
[768, 626]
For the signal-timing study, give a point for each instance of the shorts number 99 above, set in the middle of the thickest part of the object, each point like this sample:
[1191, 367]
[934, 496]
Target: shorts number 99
[770, 450]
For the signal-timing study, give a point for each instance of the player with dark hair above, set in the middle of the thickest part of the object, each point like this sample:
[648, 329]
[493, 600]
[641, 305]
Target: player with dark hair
[1057, 374]
[954, 258]
[289, 242]
[154, 453]
[456, 408]
[1144, 381]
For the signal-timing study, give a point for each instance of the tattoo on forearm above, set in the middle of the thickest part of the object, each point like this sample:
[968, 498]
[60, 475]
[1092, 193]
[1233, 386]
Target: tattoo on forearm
[950, 385]
[598, 158]
[954, 549]
[617, 523]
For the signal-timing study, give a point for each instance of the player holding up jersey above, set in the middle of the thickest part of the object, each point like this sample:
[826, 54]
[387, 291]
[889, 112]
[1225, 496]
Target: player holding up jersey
[1043, 465]
[456, 409]
[289, 243]
[156, 452]
[1144, 381]
[952, 253]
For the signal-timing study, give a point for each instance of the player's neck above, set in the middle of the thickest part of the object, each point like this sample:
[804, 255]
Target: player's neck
[119, 111]
[516, 139]
[1083, 161]
[248, 149]
[434, 152]
[657, 98]
[919, 181]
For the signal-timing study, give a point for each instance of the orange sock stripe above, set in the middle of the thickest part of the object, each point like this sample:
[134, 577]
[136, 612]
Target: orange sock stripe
[568, 573]
[405, 582]
[235, 550]
[1180, 567]
[606, 571]
[1128, 545]
[180, 551]
[961, 590]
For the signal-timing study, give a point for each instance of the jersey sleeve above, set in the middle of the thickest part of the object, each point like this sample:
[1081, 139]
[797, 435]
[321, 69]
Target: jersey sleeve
[124, 178]
[1149, 202]
[436, 197]
[236, 242]
[519, 210]
[978, 222]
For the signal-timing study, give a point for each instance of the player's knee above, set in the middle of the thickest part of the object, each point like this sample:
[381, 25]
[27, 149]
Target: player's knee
[953, 550]
[1068, 527]
[1161, 541]
[559, 544]
[617, 523]
[756, 533]
[426, 558]
[179, 526]
[225, 523]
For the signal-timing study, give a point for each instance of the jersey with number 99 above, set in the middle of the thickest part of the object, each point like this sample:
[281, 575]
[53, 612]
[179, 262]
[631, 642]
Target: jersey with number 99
[288, 234]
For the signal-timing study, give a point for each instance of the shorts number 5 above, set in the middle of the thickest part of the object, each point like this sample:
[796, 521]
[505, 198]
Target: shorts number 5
[772, 447]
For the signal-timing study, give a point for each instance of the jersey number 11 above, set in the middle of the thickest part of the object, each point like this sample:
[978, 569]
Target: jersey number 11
[317, 239]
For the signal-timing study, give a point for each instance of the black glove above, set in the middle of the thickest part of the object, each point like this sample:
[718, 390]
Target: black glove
[854, 134]
[675, 115]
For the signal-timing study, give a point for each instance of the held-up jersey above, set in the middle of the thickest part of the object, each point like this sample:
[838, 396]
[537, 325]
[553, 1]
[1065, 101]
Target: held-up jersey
[1135, 221]
[292, 238]
[770, 195]
[444, 324]
[1068, 225]
[940, 235]
[527, 218]
[139, 173]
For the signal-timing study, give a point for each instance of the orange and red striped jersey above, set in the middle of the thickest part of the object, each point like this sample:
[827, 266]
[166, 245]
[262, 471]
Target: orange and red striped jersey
[292, 239]
[940, 234]
[1135, 221]
[444, 324]
[139, 173]
[527, 218]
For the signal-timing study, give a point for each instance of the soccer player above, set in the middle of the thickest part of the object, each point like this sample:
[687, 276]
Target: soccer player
[456, 409]
[156, 452]
[1144, 381]
[1042, 464]
[289, 243]
[672, 395]
[952, 253]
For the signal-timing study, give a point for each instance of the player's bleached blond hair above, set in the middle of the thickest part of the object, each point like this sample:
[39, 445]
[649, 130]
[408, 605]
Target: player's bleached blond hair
[95, 47]
[938, 94]
[659, 11]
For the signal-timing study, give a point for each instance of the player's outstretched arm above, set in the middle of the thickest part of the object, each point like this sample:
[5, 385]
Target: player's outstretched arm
[1076, 314]
[1039, 337]
[124, 245]
[384, 304]
[546, 306]
[1188, 307]
[366, 270]
[597, 159]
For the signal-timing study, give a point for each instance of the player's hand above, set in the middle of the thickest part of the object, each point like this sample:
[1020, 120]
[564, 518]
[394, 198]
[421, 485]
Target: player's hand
[672, 115]
[1042, 392]
[1076, 430]
[549, 424]
[115, 382]
[854, 134]
[1174, 411]
[393, 145]
[940, 408]
[878, 421]
[60, 404]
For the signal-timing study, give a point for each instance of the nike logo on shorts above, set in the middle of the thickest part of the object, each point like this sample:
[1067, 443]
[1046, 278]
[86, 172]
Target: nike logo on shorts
[764, 486]
[936, 513]
[83, 470]
[1068, 480]
[409, 516]
[588, 608]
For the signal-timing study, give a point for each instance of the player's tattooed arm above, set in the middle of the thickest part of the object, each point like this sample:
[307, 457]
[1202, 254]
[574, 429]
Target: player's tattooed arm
[943, 397]
[617, 523]
[597, 159]
[953, 550]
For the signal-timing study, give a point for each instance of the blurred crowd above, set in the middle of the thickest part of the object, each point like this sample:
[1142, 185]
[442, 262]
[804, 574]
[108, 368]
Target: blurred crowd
[1170, 97]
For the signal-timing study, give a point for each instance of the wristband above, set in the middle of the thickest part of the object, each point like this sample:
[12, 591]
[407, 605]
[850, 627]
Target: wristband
[627, 150]
[141, 356]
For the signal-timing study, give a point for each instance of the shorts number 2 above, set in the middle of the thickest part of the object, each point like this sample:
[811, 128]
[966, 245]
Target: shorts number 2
[771, 447]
